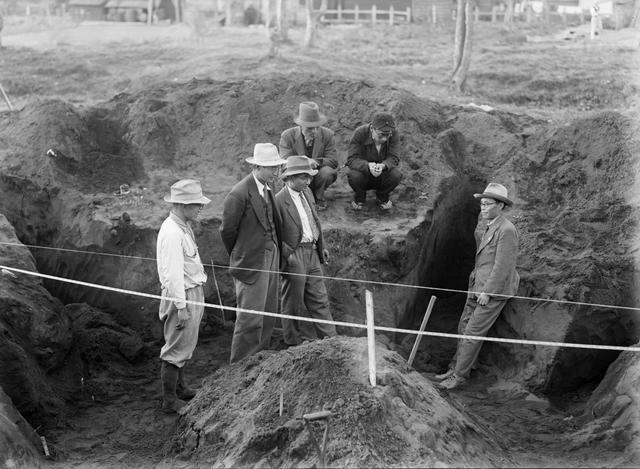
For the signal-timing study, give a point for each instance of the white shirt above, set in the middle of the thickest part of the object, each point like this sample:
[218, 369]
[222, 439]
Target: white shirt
[307, 233]
[179, 264]
[260, 186]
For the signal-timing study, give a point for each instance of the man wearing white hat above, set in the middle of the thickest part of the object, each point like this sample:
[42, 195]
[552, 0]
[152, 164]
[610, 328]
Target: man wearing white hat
[310, 138]
[303, 253]
[250, 232]
[493, 280]
[182, 278]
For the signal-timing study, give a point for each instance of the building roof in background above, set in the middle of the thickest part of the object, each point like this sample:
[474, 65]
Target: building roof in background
[87, 3]
[142, 4]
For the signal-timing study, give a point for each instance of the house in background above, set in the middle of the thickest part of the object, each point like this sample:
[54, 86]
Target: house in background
[90, 10]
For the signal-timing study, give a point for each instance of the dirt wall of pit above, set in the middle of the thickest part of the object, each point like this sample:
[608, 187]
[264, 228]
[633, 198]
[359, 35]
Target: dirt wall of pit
[569, 185]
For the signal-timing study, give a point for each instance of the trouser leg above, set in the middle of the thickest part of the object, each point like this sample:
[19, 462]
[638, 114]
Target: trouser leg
[359, 183]
[316, 298]
[479, 324]
[180, 343]
[252, 331]
[387, 182]
[293, 296]
[325, 177]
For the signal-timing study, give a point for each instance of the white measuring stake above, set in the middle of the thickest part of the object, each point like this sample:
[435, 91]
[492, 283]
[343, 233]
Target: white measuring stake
[281, 402]
[416, 344]
[371, 339]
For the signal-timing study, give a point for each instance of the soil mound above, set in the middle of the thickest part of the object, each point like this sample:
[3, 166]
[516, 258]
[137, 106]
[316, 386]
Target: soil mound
[402, 422]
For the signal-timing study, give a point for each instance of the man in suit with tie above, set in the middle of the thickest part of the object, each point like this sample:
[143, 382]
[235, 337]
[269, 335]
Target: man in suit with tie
[303, 252]
[250, 232]
[310, 138]
[493, 280]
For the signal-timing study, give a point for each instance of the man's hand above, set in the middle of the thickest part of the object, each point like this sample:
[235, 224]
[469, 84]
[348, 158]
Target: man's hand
[325, 254]
[315, 164]
[483, 299]
[375, 169]
[183, 317]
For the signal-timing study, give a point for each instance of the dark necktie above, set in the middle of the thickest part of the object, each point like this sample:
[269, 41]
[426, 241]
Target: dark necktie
[312, 221]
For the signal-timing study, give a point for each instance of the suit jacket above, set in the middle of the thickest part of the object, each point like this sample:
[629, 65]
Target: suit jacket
[292, 225]
[496, 256]
[244, 227]
[362, 150]
[324, 146]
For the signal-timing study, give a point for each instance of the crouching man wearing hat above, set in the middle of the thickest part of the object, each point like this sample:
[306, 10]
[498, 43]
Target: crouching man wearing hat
[250, 232]
[374, 154]
[493, 280]
[182, 278]
[303, 253]
[310, 138]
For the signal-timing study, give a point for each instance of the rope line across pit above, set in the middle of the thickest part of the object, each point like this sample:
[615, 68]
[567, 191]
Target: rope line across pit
[346, 279]
[324, 321]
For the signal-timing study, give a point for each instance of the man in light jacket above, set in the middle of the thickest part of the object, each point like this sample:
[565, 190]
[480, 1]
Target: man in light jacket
[182, 278]
[493, 280]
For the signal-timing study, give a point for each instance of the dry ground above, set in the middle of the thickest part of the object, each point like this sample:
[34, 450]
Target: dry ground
[552, 78]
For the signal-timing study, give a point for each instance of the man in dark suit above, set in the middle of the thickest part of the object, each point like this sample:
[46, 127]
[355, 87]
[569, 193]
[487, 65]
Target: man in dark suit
[310, 138]
[373, 158]
[493, 280]
[303, 252]
[250, 231]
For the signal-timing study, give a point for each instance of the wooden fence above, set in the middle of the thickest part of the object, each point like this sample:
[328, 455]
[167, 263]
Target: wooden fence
[373, 16]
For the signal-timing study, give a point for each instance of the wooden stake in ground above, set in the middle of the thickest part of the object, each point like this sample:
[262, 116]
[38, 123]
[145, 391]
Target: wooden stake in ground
[6, 98]
[371, 339]
[416, 344]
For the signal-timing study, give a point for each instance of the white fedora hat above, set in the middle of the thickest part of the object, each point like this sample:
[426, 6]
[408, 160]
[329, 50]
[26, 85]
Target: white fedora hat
[495, 191]
[266, 154]
[186, 191]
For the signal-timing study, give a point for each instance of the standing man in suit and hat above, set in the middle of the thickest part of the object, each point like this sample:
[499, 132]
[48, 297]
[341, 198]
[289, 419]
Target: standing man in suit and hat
[182, 278]
[303, 251]
[493, 280]
[373, 158]
[250, 231]
[310, 138]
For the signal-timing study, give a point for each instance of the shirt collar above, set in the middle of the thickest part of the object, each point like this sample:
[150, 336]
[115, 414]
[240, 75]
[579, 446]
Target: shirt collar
[259, 184]
[179, 222]
[294, 193]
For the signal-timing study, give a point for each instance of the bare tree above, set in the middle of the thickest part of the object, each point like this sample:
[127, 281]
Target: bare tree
[281, 19]
[635, 19]
[312, 22]
[508, 14]
[228, 13]
[462, 44]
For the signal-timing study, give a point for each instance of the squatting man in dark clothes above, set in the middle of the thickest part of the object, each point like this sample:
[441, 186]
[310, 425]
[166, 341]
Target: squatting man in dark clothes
[182, 278]
[312, 139]
[493, 280]
[373, 158]
[250, 232]
[303, 253]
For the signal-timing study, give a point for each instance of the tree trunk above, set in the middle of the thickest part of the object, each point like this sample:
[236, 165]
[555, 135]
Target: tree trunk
[312, 22]
[281, 19]
[635, 20]
[459, 77]
[545, 11]
[458, 42]
[508, 14]
[228, 13]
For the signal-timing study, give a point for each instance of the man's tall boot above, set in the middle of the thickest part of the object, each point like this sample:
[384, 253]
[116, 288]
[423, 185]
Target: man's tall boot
[182, 390]
[169, 375]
